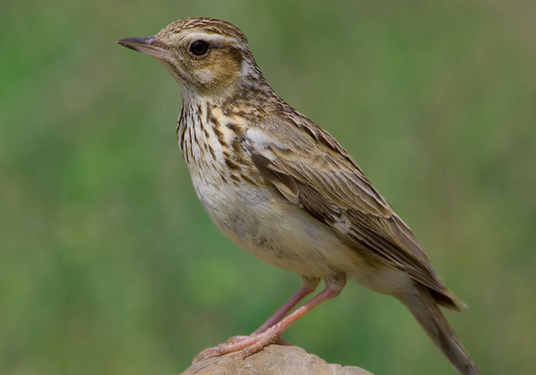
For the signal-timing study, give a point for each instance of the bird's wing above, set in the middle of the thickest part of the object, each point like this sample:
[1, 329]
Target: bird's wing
[312, 170]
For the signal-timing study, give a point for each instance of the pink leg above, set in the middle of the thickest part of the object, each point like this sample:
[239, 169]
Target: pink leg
[308, 287]
[254, 343]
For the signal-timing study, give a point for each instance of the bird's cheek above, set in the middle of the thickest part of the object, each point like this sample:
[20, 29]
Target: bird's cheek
[176, 72]
[205, 77]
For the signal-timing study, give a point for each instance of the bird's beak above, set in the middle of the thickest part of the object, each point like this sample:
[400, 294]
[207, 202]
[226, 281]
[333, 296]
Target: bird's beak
[147, 45]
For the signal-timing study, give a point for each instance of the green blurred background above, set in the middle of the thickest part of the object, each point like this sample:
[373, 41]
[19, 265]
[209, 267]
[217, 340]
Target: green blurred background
[108, 263]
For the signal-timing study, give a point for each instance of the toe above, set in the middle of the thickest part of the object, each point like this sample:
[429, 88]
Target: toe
[207, 353]
[236, 339]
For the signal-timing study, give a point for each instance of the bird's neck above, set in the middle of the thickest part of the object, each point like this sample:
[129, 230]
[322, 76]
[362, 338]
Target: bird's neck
[250, 89]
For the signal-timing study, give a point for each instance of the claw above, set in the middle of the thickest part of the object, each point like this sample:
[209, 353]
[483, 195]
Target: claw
[207, 353]
[245, 353]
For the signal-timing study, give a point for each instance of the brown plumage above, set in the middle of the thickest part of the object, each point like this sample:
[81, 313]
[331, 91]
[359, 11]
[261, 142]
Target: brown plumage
[285, 190]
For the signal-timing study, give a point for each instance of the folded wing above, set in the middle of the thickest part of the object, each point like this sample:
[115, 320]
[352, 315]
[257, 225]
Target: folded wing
[317, 174]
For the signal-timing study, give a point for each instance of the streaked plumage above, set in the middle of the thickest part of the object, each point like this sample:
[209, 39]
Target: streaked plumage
[285, 190]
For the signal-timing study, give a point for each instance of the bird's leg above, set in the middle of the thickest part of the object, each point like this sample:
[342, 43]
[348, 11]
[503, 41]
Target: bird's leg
[309, 285]
[254, 343]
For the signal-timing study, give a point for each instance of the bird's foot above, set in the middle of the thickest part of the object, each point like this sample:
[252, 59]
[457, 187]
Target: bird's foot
[247, 344]
[236, 339]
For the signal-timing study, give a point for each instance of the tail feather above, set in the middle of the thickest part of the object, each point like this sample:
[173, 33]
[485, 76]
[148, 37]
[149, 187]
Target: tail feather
[424, 307]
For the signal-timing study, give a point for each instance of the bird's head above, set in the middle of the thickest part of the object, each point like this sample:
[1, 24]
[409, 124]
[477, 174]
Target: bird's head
[206, 56]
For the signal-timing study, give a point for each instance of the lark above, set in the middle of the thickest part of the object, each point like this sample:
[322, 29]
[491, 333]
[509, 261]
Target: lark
[283, 189]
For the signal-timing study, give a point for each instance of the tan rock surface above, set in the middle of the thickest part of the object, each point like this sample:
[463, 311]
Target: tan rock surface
[272, 360]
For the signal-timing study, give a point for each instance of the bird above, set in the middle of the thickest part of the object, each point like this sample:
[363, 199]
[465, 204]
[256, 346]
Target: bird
[285, 190]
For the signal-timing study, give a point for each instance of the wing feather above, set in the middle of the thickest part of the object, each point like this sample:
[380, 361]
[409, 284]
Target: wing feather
[316, 173]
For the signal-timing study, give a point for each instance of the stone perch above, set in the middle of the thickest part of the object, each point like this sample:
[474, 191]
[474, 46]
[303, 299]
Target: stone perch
[272, 360]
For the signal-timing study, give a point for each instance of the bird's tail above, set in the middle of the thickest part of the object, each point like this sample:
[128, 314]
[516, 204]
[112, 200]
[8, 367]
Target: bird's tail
[425, 308]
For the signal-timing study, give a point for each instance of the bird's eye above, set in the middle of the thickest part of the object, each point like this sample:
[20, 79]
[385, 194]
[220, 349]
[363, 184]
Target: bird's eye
[199, 48]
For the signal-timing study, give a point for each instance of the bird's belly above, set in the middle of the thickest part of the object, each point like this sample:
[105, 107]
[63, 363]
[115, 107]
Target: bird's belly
[262, 222]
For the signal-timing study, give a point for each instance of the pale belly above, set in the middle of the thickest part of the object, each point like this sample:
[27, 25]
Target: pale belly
[262, 222]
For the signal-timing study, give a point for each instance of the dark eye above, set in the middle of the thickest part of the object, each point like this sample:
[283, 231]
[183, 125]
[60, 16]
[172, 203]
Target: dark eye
[199, 47]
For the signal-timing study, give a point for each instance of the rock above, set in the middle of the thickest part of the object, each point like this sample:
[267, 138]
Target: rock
[272, 360]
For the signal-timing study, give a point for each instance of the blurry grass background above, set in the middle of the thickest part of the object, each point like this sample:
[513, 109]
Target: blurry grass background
[109, 265]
